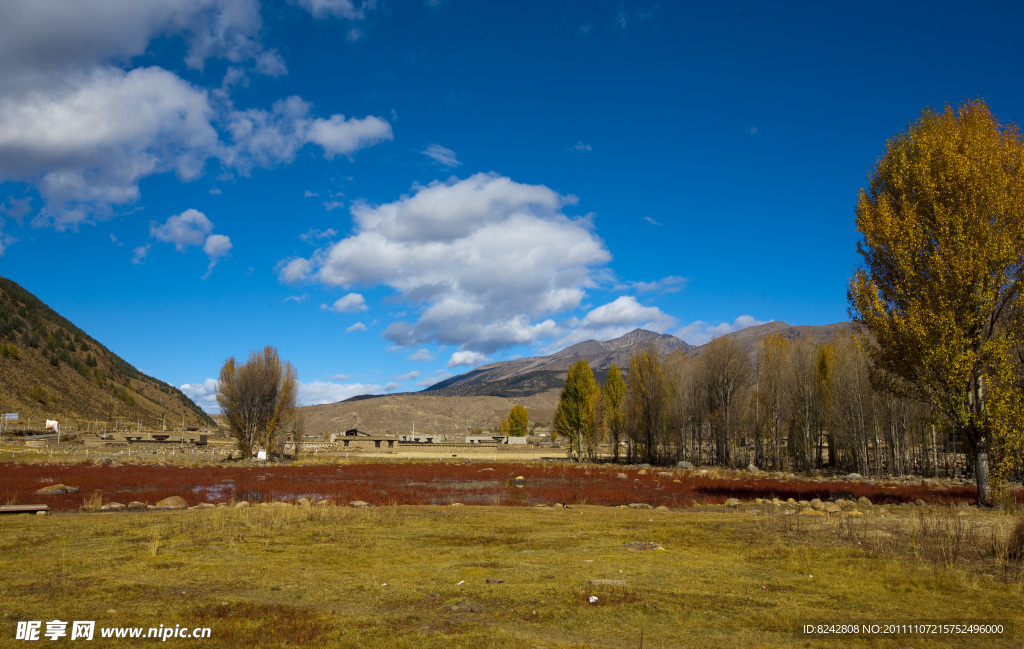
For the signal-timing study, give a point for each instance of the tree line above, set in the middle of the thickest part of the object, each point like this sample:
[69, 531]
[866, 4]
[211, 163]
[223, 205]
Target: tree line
[799, 405]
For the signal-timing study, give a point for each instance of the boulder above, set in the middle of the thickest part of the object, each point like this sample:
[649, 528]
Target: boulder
[359, 503]
[55, 489]
[174, 502]
[203, 506]
[864, 501]
[753, 469]
[831, 508]
[841, 495]
[807, 511]
[323, 503]
[733, 502]
[621, 476]
[639, 506]
[136, 506]
[640, 546]
[816, 505]
[114, 507]
[855, 513]
[242, 503]
[519, 481]
[665, 474]
[852, 476]
[920, 503]
[684, 465]
[303, 502]
[642, 472]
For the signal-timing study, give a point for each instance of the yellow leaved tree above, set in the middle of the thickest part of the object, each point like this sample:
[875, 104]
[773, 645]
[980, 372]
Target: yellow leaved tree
[942, 225]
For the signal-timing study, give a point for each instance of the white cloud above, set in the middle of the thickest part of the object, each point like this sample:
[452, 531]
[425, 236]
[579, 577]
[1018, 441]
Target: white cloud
[581, 146]
[337, 377]
[652, 221]
[392, 387]
[670, 284]
[485, 259]
[312, 235]
[432, 380]
[442, 155]
[466, 358]
[421, 355]
[351, 303]
[700, 332]
[139, 254]
[339, 136]
[333, 205]
[616, 318]
[359, 326]
[190, 228]
[295, 298]
[407, 376]
[337, 8]
[310, 194]
[295, 270]
[316, 393]
[203, 394]
[216, 248]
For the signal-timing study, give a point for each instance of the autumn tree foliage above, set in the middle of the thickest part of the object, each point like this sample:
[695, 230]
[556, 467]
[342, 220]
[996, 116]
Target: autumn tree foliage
[942, 225]
[646, 398]
[518, 421]
[614, 393]
[257, 399]
[576, 417]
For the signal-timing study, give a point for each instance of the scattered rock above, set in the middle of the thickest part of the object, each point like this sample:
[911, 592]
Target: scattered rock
[864, 501]
[640, 546]
[242, 503]
[639, 506]
[920, 503]
[642, 472]
[136, 506]
[519, 481]
[790, 501]
[733, 502]
[788, 512]
[807, 511]
[359, 503]
[852, 476]
[203, 506]
[816, 505]
[495, 581]
[684, 465]
[855, 513]
[662, 508]
[457, 505]
[323, 503]
[55, 489]
[831, 508]
[113, 507]
[621, 476]
[40, 513]
[841, 495]
[607, 582]
[758, 501]
[487, 469]
[665, 474]
[303, 502]
[753, 469]
[174, 502]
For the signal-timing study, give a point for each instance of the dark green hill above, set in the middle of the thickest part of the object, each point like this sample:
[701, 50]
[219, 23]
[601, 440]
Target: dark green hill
[49, 368]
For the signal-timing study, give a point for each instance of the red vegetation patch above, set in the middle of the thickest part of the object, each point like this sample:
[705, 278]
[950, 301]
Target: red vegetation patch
[417, 483]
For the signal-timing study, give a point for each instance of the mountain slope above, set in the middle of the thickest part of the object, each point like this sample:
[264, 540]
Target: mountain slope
[49, 368]
[531, 376]
[528, 376]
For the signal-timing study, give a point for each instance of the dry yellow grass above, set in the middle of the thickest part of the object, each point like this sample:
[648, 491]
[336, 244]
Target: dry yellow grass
[315, 576]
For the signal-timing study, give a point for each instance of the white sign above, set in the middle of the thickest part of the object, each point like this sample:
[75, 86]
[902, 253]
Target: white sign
[261, 455]
[10, 415]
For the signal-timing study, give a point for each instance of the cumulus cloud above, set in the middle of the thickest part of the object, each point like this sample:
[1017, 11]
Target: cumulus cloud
[337, 377]
[216, 248]
[311, 235]
[652, 221]
[83, 131]
[442, 155]
[421, 355]
[203, 394]
[670, 284]
[616, 318]
[351, 303]
[484, 259]
[581, 146]
[466, 358]
[359, 326]
[700, 332]
[407, 376]
[190, 228]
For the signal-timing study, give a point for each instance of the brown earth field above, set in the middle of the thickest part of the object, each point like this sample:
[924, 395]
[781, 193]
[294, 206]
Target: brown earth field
[436, 483]
[432, 414]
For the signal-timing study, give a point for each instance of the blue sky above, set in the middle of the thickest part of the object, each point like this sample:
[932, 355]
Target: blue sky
[395, 192]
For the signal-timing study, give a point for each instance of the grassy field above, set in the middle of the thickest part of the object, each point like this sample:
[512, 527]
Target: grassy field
[405, 576]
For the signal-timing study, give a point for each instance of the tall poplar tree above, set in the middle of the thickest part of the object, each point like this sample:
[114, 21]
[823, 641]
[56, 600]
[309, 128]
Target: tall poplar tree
[942, 225]
[576, 416]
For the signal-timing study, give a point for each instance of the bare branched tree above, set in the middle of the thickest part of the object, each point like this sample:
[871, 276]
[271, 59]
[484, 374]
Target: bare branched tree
[257, 399]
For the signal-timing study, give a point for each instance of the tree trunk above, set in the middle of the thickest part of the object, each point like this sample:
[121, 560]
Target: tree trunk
[981, 473]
